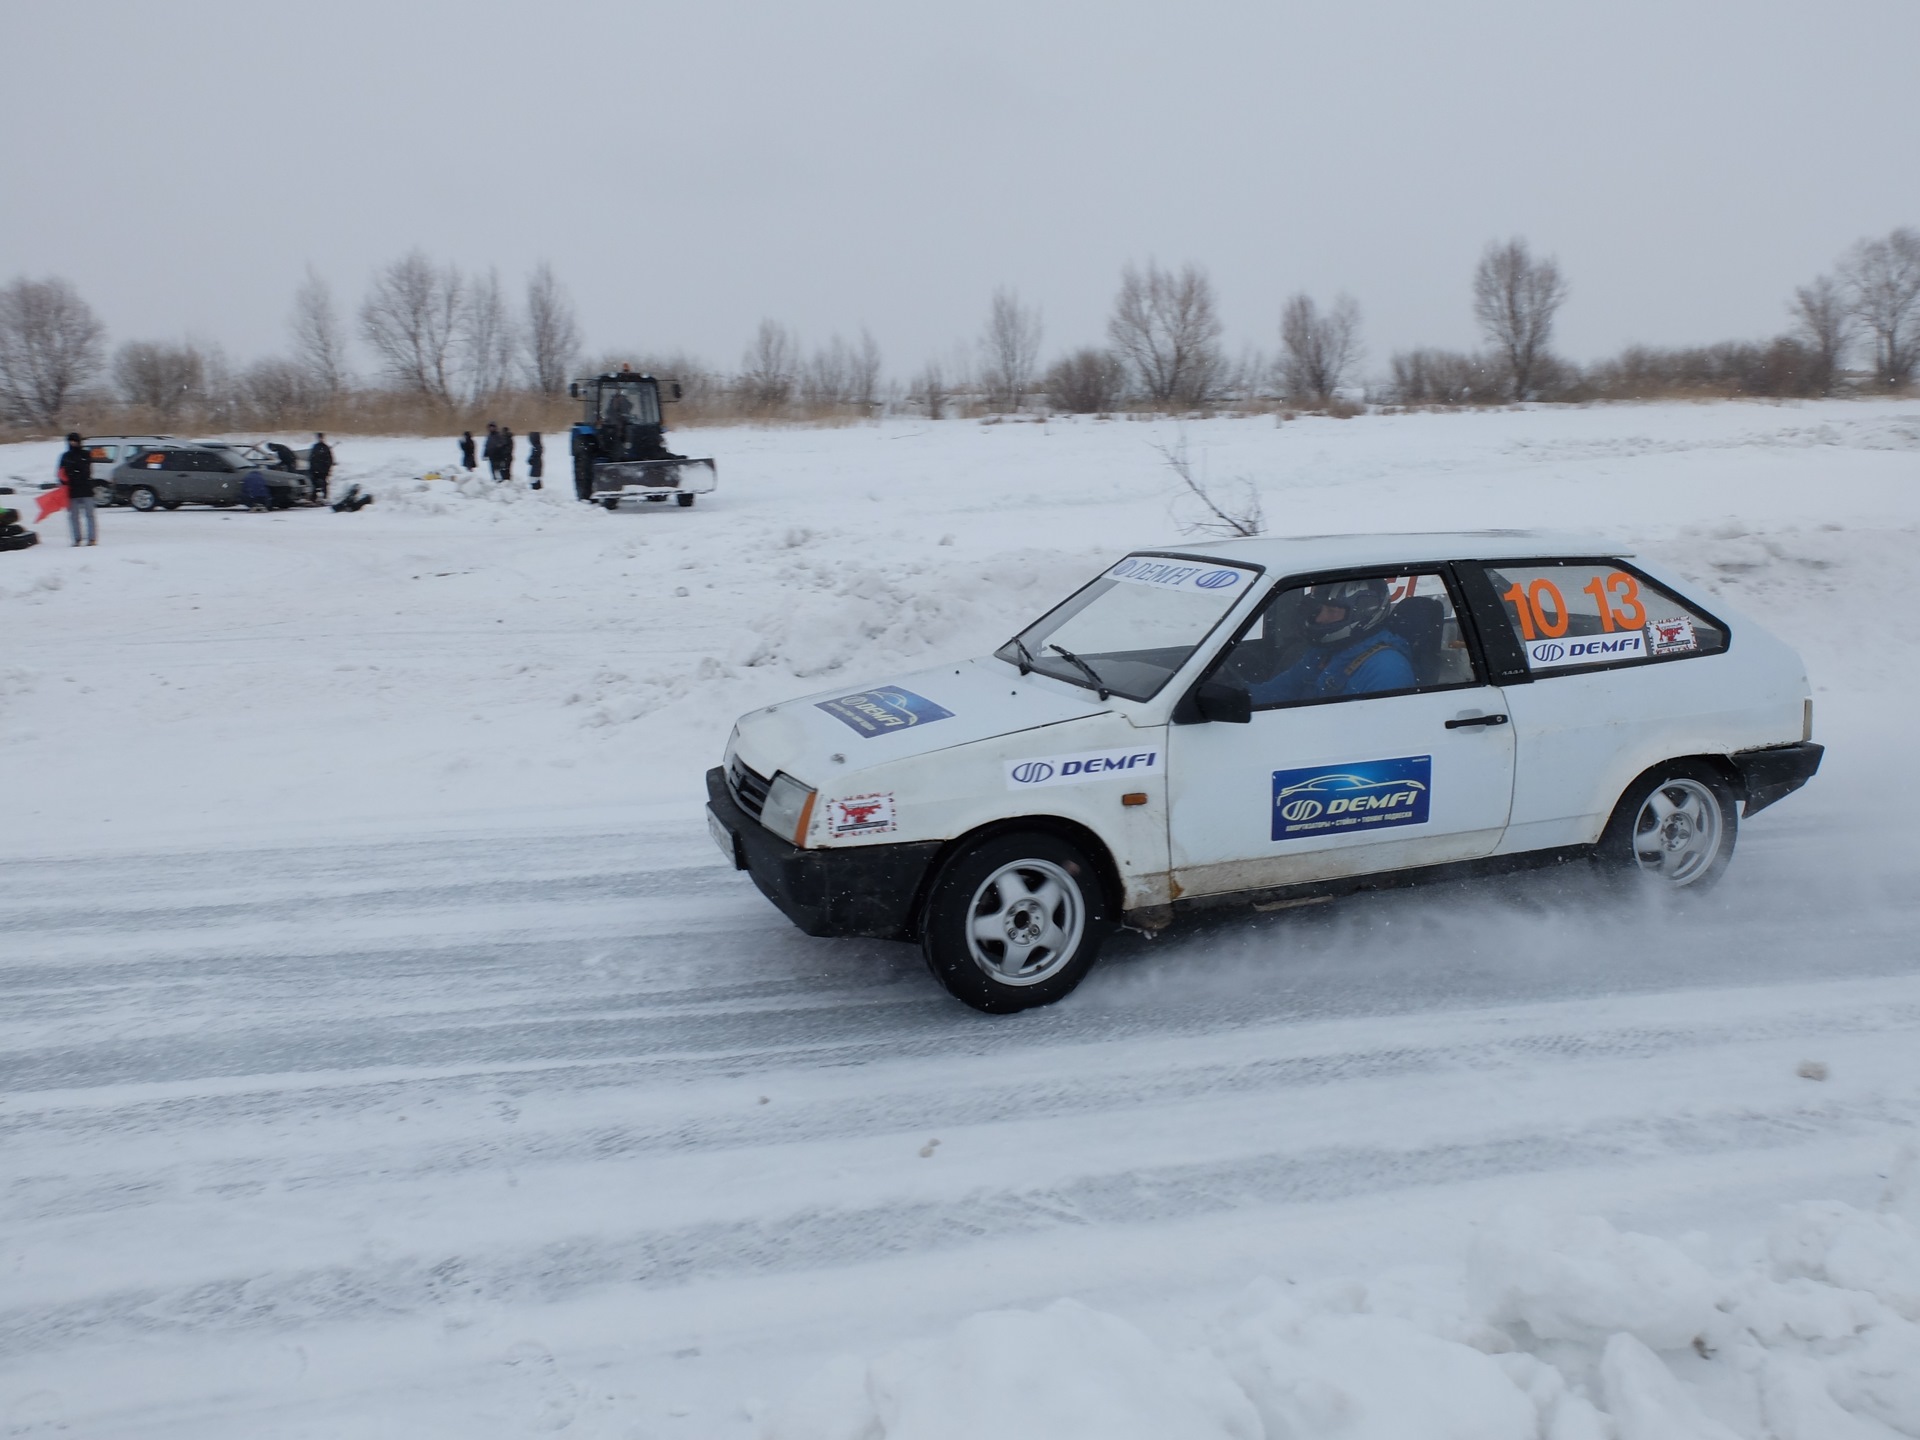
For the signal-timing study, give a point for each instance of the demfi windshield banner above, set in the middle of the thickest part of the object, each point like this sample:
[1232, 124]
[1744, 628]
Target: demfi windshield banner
[1323, 800]
[882, 712]
[1165, 574]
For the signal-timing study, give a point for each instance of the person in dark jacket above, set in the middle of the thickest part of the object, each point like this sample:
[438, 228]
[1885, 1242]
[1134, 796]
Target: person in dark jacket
[76, 472]
[466, 449]
[536, 459]
[283, 457]
[491, 449]
[319, 465]
[506, 452]
[255, 490]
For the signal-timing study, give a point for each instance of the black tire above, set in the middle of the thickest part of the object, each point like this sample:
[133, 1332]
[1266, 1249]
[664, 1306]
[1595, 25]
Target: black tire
[171, 504]
[1043, 892]
[144, 498]
[1674, 829]
[611, 505]
[684, 501]
[103, 496]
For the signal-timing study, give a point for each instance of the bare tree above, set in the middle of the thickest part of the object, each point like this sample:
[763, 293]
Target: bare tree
[932, 390]
[319, 341]
[166, 381]
[1883, 286]
[1317, 349]
[279, 392]
[1515, 299]
[1824, 324]
[827, 377]
[553, 334]
[411, 318]
[1009, 351]
[50, 346]
[1443, 377]
[1239, 514]
[1087, 382]
[488, 338]
[863, 383]
[1167, 328]
[769, 369]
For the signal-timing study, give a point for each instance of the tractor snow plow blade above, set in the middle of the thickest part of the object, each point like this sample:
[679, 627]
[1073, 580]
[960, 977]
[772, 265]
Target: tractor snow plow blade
[692, 477]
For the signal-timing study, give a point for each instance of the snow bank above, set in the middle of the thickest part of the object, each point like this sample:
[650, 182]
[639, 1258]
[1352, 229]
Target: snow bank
[1553, 1328]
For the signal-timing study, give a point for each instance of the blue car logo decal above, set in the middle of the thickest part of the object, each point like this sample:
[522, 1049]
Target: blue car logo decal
[1374, 795]
[882, 712]
[1218, 579]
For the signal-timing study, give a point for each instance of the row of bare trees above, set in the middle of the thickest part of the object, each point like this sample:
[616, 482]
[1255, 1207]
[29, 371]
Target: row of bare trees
[447, 343]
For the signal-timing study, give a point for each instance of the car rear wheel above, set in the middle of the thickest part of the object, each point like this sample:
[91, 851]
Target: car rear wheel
[1014, 922]
[103, 495]
[144, 497]
[683, 500]
[1675, 828]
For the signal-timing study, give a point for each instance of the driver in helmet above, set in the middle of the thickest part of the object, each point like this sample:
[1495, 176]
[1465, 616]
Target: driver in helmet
[1349, 650]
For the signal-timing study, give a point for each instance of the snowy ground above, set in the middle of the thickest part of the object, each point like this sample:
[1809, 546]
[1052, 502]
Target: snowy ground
[384, 1051]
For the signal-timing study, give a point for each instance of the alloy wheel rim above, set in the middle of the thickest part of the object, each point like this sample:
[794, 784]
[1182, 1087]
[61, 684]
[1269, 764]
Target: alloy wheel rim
[1025, 922]
[1676, 835]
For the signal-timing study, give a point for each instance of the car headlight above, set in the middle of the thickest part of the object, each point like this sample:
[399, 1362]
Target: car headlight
[788, 809]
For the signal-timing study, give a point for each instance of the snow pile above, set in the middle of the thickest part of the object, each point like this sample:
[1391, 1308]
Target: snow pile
[1554, 1328]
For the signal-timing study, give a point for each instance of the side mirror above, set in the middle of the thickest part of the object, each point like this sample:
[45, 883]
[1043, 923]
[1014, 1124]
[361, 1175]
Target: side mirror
[1223, 702]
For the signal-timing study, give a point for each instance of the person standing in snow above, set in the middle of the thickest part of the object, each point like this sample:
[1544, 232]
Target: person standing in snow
[466, 450]
[506, 452]
[490, 448]
[319, 465]
[536, 459]
[76, 472]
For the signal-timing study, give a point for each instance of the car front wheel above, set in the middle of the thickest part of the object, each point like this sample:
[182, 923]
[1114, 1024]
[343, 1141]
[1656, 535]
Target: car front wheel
[1014, 922]
[144, 497]
[1675, 828]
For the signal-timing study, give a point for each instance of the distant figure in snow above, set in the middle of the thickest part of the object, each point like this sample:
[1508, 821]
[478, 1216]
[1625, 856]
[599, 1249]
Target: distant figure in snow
[466, 449]
[536, 459]
[76, 470]
[491, 449]
[255, 490]
[319, 465]
[506, 452]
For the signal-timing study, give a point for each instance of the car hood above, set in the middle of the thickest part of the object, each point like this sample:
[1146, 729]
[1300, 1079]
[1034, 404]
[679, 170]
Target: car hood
[914, 714]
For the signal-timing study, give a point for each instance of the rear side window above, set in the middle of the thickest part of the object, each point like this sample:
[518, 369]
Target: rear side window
[103, 453]
[153, 459]
[1579, 614]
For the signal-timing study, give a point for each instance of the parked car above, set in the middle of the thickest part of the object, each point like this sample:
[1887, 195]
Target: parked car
[185, 472]
[107, 451]
[1268, 721]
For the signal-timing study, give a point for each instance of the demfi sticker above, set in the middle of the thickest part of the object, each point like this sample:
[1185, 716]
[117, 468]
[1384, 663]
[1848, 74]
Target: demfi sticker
[1179, 575]
[1586, 650]
[882, 712]
[1079, 769]
[862, 815]
[1324, 800]
[1673, 637]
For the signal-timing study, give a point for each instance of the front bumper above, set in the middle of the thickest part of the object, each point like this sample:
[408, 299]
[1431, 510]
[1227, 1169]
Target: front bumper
[1775, 773]
[868, 890]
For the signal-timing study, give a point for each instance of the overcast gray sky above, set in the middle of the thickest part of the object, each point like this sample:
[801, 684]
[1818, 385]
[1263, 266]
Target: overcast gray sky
[691, 167]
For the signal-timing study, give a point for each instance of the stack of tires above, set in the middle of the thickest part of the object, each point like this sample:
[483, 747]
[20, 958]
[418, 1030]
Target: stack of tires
[14, 535]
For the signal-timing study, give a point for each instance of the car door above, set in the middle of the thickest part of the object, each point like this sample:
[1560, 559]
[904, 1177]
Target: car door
[1592, 637]
[1341, 777]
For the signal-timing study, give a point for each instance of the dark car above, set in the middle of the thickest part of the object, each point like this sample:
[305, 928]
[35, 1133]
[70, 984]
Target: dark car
[184, 472]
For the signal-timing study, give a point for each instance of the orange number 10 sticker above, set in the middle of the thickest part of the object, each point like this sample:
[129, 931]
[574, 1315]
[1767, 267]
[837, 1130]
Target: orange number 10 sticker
[1542, 610]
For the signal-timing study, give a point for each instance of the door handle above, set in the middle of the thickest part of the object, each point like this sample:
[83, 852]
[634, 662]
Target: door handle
[1465, 721]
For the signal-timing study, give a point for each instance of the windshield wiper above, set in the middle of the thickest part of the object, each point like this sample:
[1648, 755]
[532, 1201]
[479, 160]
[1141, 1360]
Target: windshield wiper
[1026, 655]
[1085, 669]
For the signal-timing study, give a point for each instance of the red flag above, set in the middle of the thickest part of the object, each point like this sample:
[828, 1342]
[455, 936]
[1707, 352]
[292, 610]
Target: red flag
[50, 501]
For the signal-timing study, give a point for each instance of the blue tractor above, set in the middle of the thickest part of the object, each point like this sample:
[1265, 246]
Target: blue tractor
[619, 444]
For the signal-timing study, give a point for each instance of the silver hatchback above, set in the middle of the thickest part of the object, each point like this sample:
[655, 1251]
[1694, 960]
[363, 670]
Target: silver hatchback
[175, 473]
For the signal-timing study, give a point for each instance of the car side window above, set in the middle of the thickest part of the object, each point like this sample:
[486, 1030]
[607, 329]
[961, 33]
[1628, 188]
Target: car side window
[153, 460]
[1347, 639]
[1582, 614]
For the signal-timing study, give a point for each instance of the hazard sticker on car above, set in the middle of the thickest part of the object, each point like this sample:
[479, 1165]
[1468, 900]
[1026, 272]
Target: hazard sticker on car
[861, 815]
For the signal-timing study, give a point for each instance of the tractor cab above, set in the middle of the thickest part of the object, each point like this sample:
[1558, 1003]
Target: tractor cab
[619, 446]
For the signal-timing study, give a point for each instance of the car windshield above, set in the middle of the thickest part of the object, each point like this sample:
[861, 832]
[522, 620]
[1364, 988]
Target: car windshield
[1130, 630]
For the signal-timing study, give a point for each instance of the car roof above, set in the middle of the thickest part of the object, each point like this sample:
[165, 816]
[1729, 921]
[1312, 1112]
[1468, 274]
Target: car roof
[1297, 554]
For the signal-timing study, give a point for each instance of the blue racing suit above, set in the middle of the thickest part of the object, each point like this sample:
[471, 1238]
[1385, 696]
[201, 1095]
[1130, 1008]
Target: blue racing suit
[1376, 662]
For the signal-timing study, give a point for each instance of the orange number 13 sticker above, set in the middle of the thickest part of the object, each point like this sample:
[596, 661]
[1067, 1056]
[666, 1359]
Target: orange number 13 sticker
[1542, 610]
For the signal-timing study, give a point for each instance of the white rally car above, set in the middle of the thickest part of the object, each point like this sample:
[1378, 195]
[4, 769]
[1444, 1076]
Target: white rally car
[1267, 721]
